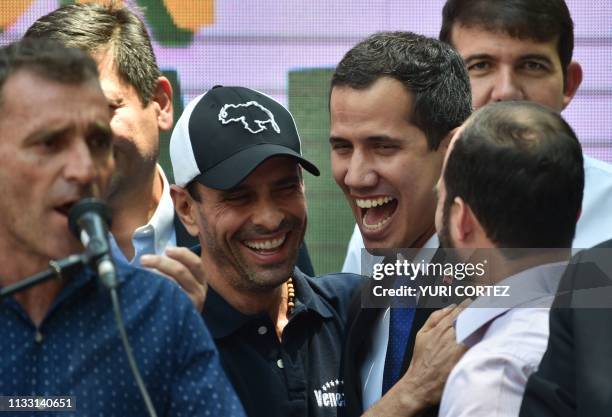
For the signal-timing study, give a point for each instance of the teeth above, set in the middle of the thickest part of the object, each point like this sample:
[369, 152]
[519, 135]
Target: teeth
[265, 244]
[376, 226]
[372, 202]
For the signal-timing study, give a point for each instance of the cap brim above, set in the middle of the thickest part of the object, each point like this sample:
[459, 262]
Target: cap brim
[236, 168]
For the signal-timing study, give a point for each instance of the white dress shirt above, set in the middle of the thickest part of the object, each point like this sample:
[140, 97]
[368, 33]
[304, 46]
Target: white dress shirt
[506, 345]
[594, 225]
[373, 366]
[155, 236]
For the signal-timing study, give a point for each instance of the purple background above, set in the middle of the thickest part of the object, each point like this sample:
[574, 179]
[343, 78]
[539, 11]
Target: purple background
[256, 42]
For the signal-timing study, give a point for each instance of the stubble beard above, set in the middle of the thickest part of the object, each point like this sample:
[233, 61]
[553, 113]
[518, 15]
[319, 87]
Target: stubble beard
[243, 276]
[444, 235]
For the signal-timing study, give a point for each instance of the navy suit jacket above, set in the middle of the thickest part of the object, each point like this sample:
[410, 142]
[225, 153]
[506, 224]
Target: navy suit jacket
[360, 328]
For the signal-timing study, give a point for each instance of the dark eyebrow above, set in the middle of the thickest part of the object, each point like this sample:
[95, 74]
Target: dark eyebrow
[477, 57]
[240, 188]
[289, 179]
[38, 136]
[539, 57]
[382, 138]
[336, 139]
[370, 139]
[234, 190]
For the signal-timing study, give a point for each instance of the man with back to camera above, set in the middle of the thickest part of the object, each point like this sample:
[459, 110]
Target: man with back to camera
[522, 50]
[513, 179]
[395, 98]
[140, 98]
[59, 337]
[237, 162]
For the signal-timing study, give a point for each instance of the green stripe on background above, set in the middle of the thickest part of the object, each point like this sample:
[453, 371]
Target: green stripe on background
[330, 221]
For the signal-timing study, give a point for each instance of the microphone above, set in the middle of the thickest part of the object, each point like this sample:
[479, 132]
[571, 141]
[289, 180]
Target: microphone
[89, 220]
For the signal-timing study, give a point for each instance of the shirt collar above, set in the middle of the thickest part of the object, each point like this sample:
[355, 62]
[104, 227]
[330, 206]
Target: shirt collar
[155, 236]
[87, 275]
[305, 294]
[432, 243]
[425, 253]
[160, 228]
[223, 320]
[533, 287]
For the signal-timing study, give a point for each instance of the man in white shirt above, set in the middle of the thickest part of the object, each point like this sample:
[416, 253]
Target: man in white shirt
[140, 100]
[513, 178]
[522, 50]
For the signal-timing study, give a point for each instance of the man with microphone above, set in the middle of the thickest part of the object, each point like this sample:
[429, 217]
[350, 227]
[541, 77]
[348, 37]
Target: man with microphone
[141, 101]
[59, 337]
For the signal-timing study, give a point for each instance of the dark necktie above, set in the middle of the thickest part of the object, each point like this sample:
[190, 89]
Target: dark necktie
[400, 323]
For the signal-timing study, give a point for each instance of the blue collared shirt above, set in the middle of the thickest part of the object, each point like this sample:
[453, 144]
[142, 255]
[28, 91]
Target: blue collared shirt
[76, 350]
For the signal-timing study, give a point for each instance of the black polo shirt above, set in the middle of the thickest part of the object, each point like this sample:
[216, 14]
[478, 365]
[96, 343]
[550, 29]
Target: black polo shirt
[301, 376]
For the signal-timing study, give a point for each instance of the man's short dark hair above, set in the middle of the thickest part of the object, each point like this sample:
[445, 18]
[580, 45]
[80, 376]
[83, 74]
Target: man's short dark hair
[431, 71]
[519, 167]
[538, 20]
[47, 59]
[108, 28]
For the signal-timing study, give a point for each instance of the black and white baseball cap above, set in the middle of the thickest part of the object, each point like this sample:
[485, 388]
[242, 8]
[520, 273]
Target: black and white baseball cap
[224, 134]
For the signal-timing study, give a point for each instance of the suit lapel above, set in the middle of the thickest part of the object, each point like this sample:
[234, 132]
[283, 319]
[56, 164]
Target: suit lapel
[359, 331]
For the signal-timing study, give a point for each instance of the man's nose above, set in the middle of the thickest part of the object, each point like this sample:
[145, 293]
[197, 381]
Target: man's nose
[507, 86]
[80, 165]
[268, 215]
[360, 173]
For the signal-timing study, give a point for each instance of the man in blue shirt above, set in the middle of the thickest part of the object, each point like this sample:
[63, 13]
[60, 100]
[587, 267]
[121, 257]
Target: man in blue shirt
[59, 338]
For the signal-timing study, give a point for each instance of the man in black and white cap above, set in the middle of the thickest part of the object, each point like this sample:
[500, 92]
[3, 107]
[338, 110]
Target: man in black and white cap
[237, 164]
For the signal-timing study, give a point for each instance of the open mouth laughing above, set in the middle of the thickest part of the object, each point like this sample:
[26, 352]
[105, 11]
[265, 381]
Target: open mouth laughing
[376, 212]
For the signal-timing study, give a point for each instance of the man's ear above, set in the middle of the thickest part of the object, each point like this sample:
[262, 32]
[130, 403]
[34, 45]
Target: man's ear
[572, 82]
[465, 228]
[459, 222]
[162, 96]
[185, 208]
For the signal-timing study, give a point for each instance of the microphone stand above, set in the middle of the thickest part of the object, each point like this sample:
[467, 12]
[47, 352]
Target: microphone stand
[69, 265]
[56, 269]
